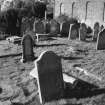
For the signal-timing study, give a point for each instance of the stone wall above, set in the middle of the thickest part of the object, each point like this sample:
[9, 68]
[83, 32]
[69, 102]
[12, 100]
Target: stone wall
[85, 10]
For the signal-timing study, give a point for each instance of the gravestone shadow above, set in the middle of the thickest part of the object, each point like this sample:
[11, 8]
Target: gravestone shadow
[46, 45]
[82, 89]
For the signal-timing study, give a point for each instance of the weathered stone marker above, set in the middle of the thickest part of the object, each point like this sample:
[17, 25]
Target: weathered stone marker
[54, 28]
[96, 31]
[48, 71]
[39, 27]
[73, 31]
[101, 40]
[27, 45]
[82, 32]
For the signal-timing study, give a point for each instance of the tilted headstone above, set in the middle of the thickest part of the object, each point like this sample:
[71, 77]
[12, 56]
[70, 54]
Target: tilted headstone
[48, 70]
[65, 29]
[101, 40]
[73, 31]
[54, 27]
[96, 31]
[27, 46]
[39, 27]
[82, 32]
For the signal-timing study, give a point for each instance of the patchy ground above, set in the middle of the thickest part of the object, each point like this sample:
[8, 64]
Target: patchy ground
[16, 86]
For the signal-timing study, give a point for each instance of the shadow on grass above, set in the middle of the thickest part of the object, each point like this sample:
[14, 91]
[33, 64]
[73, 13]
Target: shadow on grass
[51, 45]
[71, 58]
[82, 90]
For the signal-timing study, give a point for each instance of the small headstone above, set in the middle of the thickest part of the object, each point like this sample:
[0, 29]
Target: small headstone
[54, 27]
[48, 71]
[73, 32]
[65, 29]
[101, 28]
[96, 31]
[101, 40]
[27, 46]
[82, 32]
[39, 27]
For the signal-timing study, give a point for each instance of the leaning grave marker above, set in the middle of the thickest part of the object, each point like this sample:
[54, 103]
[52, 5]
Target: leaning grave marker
[101, 40]
[48, 71]
[27, 46]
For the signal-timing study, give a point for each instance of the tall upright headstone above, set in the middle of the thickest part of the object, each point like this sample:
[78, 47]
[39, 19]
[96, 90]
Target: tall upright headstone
[73, 31]
[27, 46]
[65, 29]
[96, 31]
[101, 40]
[82, 32]
[48, 71]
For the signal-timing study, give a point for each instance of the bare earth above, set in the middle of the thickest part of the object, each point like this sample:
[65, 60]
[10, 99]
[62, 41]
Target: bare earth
[16, 85]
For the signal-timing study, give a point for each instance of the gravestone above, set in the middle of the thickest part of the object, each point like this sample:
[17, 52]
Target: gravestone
[54, 27]
[96, 31]
[73, 31]
[39, 27]
[48, 71]
[65, 29]
[27, 46]
[82, 32]
[101, 28]
[101, 40]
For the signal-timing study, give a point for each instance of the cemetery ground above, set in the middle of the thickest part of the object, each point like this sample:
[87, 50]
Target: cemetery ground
[17, 86]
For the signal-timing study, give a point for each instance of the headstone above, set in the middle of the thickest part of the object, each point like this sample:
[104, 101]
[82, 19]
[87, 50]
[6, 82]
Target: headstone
[101, 40]
[82, 32]
[27, 46]
[96, 31]
[73, 31]
[39, 27]
[48, 71]
[54, 28]
[65, 29]
[101, 28]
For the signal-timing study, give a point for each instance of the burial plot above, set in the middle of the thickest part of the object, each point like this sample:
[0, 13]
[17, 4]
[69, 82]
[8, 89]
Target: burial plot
[96, 31]
[48, 71]
[73, 31]
[54, 28]
[65, 29]
[27, 46]
[82, 32]
[101, 40]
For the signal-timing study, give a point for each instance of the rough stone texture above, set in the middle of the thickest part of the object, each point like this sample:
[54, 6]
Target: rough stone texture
[79, 10]
[101, 40]
[82, 32]
[48, 68]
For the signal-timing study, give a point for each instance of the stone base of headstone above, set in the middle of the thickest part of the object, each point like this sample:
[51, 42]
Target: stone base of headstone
[24, 60]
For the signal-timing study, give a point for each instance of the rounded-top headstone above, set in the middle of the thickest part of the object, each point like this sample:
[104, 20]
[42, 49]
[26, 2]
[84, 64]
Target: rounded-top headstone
[82, 32]
[54, 27]
[27, 45]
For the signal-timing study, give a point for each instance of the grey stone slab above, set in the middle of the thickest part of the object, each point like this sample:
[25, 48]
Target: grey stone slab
[82, 32]
[48, 70]
[101, 40]
[27, 46]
